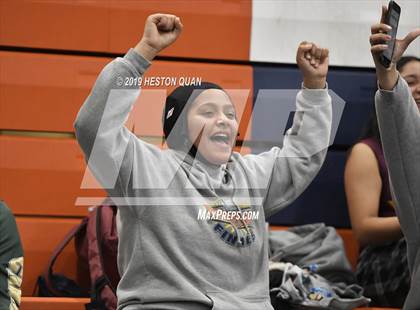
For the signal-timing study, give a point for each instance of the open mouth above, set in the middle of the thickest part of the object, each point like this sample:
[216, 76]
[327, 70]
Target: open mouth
[221, 138]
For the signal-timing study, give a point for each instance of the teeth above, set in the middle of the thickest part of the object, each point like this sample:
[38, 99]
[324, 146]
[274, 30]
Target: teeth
[221, 137]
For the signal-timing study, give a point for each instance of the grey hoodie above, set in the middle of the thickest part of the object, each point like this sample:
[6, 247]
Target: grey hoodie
[167, 258]
[399, 124]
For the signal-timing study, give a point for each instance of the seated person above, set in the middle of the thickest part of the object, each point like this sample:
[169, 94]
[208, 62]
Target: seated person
[382, 266]
[11, 260]
[169, 257]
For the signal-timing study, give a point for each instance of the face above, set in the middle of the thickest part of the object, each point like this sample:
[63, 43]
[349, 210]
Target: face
[213, 126]
[411, 73]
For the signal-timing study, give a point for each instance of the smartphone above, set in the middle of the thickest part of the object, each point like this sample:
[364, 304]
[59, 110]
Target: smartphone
[392, 18]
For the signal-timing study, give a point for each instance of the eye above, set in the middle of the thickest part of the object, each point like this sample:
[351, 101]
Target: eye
[231, 115]
[208, 113]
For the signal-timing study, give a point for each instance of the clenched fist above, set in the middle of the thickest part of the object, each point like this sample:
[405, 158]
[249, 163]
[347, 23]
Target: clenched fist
[313, 62]
[160, 31]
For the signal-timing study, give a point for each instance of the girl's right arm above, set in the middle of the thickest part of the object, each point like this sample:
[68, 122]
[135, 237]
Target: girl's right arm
[107, 144]
[99, 126]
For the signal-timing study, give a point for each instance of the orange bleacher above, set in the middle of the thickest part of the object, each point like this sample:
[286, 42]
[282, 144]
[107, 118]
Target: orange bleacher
[213, 29]
[42, 155]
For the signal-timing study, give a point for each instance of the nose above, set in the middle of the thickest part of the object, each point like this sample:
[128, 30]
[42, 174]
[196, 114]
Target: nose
[417, 88]
[221, 119]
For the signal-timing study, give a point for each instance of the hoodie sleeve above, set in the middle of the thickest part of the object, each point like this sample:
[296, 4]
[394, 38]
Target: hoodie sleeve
[399, 124]
[284, 173]
[107, 144]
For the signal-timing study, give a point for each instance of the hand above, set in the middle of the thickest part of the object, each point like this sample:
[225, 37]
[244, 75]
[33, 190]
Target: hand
[388, 77]
[160, 31]
[313, 62]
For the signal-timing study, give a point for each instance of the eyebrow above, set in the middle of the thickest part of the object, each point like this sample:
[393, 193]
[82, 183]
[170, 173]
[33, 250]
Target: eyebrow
[410, 76]
[214, 105]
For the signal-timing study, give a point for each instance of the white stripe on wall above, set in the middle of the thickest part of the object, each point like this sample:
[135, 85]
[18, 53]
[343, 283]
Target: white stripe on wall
[343, 26]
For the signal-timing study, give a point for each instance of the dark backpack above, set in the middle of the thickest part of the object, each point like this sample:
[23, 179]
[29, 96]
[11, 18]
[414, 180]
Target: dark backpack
[96, 244]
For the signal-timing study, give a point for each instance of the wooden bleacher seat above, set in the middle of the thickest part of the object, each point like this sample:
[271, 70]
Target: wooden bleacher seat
[52, 303]
[40, 303]
[116, 25]
[66, 81]
[50, 177]
[39, 236]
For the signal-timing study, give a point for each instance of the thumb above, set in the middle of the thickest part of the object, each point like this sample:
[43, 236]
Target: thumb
[303, 48]
[324, 54]
[410, 37]
[165, 23]
[178, 25]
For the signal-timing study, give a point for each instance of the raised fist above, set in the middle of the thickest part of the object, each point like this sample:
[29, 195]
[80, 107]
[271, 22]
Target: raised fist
[160, 31]
[313, 63]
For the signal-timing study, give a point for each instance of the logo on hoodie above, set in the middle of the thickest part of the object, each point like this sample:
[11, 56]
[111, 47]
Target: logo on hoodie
[233, 224]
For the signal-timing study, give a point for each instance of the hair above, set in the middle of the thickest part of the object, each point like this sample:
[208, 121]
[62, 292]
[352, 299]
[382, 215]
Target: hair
[405, 60]
[371, 129]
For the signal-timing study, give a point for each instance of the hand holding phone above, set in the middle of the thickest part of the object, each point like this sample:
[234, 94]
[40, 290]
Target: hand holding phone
[392, 19]
[385, 48]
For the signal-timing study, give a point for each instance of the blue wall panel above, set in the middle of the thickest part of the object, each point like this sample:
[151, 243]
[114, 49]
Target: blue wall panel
[355, 87]
[323, 201]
